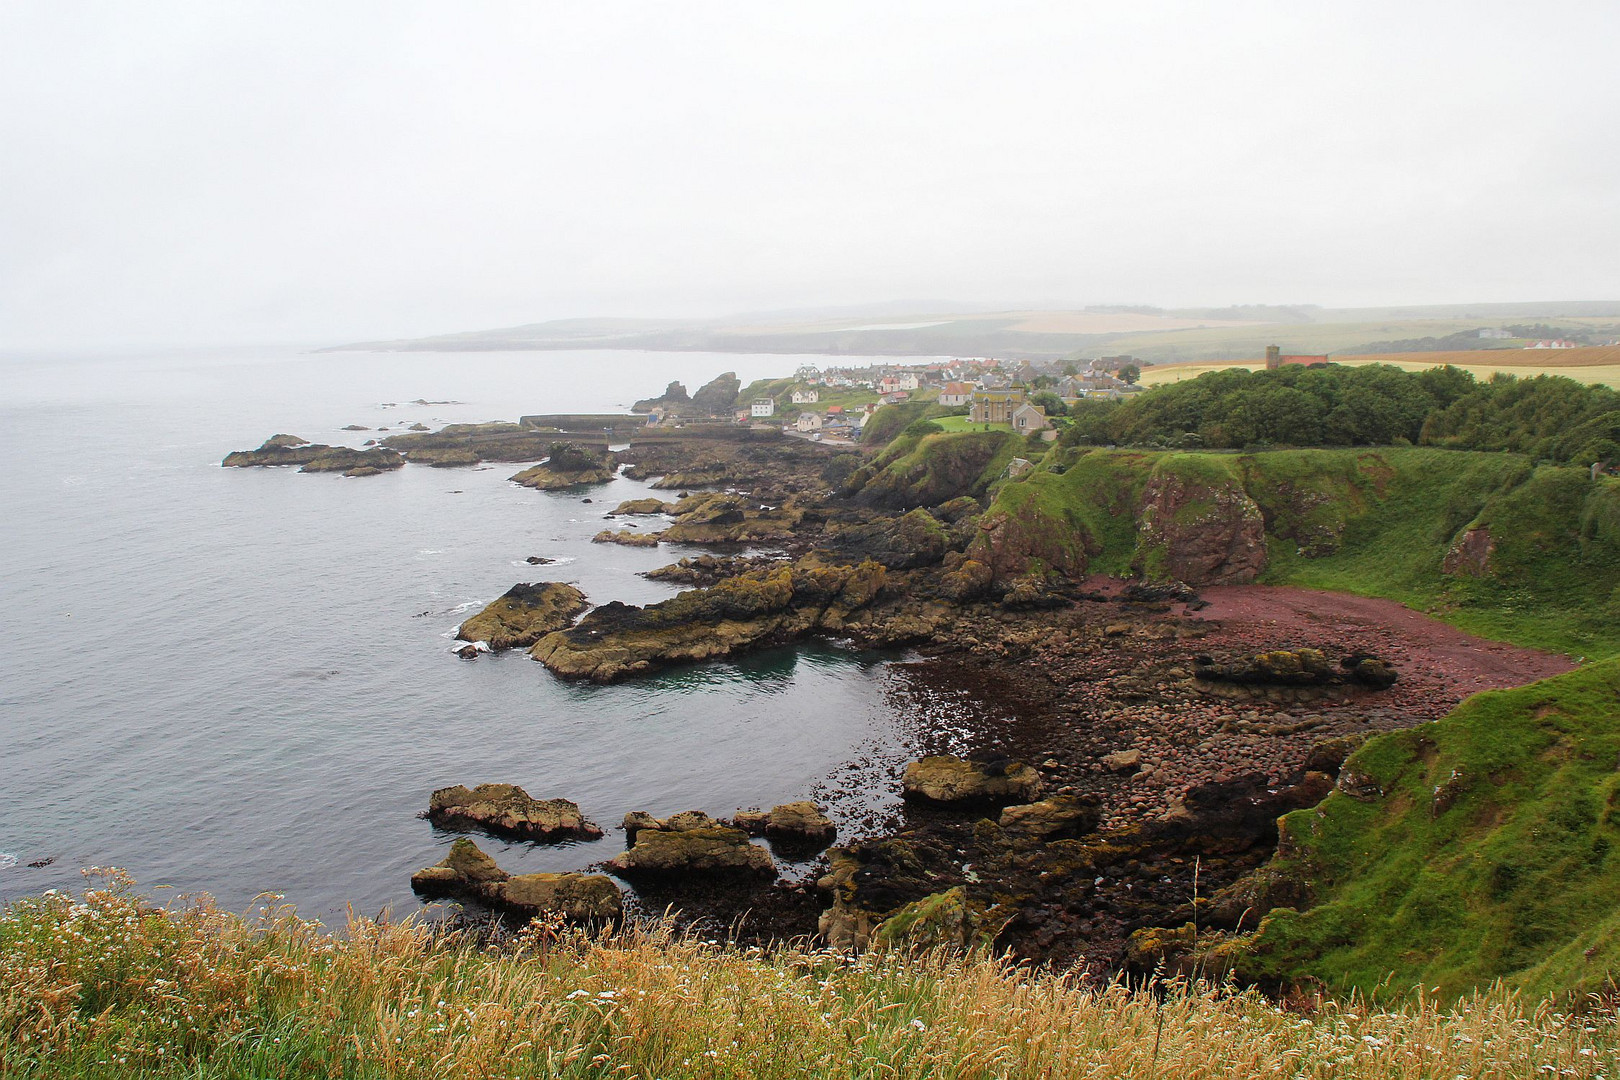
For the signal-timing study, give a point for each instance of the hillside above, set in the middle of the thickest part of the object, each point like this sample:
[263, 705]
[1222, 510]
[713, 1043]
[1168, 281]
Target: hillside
[1485, 541]
[1476, 848]
[1595, 364]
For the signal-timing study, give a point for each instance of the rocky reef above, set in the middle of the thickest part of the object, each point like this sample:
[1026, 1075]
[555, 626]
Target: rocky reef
[468, 873]
[508, 810]
[315, 457]
[954, 781]
[524, 614]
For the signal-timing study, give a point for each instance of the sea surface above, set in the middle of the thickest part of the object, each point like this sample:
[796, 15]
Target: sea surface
[240, 681]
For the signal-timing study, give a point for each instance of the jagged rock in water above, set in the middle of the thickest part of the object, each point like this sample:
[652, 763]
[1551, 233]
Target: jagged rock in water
[508, 810]
[800, 823]
[953, 781]
[524, 614]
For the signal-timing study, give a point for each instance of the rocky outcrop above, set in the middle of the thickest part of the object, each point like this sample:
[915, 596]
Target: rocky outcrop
[717, 396]
[446, 457]
[468, 873]
[903, 543]
[708, 850]
[753, 609]
[954, 781]
[1010, 543]
[524, 614]
[1470, 553]
[508, 810]
[567, 465]
[674, 395]
[1202, 532]
[721, 518]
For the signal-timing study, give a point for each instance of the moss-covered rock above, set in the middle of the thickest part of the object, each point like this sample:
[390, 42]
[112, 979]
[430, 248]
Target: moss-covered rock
[906, 542]
[524, 614]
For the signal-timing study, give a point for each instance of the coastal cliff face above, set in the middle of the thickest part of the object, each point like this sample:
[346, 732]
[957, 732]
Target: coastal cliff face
[1454, 530]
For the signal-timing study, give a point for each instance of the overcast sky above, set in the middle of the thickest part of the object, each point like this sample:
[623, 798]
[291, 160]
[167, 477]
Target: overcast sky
[223, 171]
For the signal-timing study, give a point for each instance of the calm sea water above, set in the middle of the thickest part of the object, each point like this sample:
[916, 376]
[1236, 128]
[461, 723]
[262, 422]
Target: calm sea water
[239, 680]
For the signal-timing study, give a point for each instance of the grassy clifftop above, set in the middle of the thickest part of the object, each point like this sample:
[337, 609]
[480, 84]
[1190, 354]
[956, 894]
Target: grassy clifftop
[1486, 541]
[1476, 848]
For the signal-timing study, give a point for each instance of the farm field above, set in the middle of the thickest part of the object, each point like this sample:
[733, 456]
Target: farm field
[1590, 365]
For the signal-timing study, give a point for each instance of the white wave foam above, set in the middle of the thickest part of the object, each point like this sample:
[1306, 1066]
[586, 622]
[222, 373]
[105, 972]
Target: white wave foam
[7, 860]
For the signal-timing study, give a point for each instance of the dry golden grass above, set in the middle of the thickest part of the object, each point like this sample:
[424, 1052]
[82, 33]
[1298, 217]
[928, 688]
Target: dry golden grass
[1588, 365]
[107, 985]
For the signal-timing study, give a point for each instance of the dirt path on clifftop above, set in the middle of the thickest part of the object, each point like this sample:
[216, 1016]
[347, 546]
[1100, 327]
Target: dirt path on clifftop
[1431, 655]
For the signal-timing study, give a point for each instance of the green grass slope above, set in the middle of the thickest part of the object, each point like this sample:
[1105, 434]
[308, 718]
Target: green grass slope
[926, 469]
[1476, 848]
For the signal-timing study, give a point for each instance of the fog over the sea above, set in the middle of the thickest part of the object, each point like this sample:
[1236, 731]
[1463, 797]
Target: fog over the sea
[238, 171]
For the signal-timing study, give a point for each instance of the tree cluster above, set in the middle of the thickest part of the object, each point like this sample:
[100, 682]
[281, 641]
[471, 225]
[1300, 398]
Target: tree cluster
[1548, 417]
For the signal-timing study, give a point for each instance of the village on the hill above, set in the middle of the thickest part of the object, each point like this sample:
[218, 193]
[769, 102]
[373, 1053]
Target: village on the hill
[833, 404]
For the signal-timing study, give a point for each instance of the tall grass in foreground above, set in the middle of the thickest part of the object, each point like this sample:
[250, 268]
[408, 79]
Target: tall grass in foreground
[107, 985]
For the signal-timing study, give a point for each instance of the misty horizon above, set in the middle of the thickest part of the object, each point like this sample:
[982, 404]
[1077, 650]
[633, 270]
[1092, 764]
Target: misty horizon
[249, 173]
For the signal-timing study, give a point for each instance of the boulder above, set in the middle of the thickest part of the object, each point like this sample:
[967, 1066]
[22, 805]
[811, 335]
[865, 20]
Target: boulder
[524, 614]
[799, 822]
[710, 851]
[1122, 761]
[1369, 671]
[952, 781]
[1060, 816]
[752, 822]
[508, 810]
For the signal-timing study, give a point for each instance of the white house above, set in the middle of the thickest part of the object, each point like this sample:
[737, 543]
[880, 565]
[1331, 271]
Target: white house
[808, 421]
[956, 393]
[905, 380]
[764, 406]
[1027, 418]
[806, 397]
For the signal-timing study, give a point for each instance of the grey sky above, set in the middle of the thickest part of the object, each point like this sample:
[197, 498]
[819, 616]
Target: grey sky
[236, 171]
